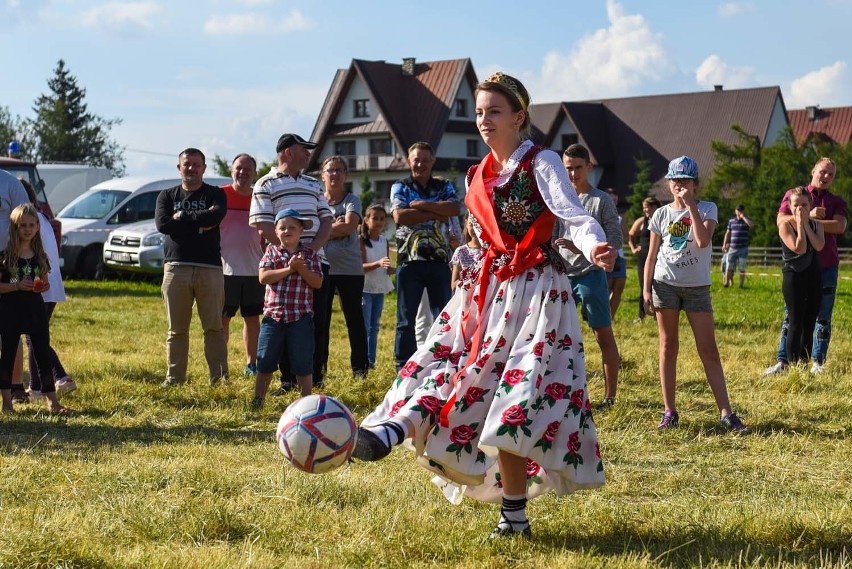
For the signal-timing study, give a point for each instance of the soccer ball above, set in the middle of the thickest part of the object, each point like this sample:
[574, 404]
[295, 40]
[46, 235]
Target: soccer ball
[316, 433]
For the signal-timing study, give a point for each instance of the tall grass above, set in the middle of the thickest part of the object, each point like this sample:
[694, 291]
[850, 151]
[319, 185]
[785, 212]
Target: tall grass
[190, 477]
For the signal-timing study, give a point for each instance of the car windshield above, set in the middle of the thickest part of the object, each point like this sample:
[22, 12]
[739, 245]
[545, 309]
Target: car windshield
[95, 205]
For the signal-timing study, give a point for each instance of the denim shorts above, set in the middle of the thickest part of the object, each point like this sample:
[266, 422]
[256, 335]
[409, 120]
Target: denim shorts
[296, 337]
[739, 257]
[592, 292]
[686, 298]
[619, 270]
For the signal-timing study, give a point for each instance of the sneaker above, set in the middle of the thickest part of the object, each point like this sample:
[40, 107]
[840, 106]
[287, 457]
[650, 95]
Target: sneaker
[369, 447]
[775, 369]
[224, 380]
[817, 368]
[257, 403]
[286, 387]
[605, 404]
[250, 371]
[20, 395]
[171, 382]
[733, 423]
[35, 395]
[670, 419]
[65, 385]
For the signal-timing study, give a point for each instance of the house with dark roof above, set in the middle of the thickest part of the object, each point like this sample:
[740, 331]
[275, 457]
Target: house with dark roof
[657, 128]
[833, 124]
[375, 110]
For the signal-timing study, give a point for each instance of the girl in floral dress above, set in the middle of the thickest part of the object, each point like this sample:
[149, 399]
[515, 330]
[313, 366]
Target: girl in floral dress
[495, 402]
[465, 256]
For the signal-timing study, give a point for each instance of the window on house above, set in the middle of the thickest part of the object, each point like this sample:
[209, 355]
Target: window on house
[346, 148]
[568, 140]
[461, 107]
[379, 147]
[472, 147]
[362, 108]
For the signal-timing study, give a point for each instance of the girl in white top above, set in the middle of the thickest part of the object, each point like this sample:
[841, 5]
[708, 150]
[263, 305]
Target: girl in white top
[375, 255]
[677, 277]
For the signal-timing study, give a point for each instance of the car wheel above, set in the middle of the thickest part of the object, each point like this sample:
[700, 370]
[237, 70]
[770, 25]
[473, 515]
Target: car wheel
[92, 266]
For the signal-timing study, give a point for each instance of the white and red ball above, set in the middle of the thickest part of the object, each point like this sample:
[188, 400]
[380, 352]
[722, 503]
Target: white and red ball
[316, 433]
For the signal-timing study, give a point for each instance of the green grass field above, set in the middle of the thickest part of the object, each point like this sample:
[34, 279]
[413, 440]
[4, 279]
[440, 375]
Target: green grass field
[189, 477]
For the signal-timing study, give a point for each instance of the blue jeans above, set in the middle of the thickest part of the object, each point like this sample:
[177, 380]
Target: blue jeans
[822, 331]
[411, 280]
[372, 305]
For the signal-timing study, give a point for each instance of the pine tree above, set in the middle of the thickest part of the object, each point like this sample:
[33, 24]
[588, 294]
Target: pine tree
[639, 190]
[65, 131]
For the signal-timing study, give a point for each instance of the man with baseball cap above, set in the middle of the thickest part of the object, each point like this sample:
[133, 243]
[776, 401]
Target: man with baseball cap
[285, 187]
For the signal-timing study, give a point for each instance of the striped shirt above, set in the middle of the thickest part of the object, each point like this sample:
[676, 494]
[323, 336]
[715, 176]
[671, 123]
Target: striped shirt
[739, 233]
[290, 298]
[276, 191]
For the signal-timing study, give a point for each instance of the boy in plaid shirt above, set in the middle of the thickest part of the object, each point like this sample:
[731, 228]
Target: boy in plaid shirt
[290, 272]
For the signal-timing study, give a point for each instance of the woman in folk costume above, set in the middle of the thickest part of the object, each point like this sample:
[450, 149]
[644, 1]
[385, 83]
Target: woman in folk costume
[496, 402]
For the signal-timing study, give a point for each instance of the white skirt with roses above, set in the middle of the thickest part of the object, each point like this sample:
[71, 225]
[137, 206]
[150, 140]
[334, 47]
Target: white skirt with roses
[524, 392]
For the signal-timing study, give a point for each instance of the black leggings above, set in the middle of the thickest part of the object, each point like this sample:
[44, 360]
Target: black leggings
[11, 333]
[802, 295]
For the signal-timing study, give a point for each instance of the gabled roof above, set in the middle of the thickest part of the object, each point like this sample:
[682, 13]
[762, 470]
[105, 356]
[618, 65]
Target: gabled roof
[659, 127]
[412, 107]
[833, 124]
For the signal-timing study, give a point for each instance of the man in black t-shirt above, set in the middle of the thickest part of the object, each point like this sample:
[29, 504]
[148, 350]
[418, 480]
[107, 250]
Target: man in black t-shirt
[189, 216]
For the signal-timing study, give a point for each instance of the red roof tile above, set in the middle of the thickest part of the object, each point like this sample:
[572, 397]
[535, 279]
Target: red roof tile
[833, 124]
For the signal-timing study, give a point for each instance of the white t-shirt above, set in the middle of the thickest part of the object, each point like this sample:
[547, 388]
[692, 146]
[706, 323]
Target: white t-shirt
[680, 261]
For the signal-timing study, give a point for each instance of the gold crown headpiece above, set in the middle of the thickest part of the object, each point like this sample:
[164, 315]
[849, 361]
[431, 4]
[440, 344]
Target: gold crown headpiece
[502, 79]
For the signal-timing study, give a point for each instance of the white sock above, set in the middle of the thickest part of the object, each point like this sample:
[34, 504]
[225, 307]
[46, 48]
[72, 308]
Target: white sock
[390, 432]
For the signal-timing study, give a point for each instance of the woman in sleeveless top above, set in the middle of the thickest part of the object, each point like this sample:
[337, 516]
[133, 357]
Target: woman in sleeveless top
[639, 230]
[801, 282]
[496, 402]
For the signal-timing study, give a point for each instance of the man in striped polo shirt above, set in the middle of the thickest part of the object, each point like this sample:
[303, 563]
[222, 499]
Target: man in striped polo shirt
[284, 187]
[735, 245]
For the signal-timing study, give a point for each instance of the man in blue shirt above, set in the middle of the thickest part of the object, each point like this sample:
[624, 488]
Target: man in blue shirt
[421, 207]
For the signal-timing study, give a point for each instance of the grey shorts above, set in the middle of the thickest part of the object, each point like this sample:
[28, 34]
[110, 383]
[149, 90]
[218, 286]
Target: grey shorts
[686, 298]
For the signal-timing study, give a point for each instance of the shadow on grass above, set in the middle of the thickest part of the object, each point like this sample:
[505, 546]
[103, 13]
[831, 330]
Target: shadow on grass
[24, 436]
[690, 545]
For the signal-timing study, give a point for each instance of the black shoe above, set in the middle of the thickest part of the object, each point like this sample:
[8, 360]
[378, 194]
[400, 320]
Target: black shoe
[286, 387]
[504, 529]
[605, 404]
[369, 447]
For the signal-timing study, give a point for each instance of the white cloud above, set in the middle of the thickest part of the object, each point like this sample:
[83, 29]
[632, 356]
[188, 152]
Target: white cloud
[731, 9]
[827, 87]
[609, 62]
[231, 124]
[234, 24]
[256, 23]
[714, 71]
[122, 16]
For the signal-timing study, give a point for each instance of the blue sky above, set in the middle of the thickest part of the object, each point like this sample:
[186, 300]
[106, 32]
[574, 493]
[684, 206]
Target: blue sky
[230, 76]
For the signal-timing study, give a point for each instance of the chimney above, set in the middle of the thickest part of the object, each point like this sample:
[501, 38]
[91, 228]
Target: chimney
[408, 66]
[812, 112]
[717, 88]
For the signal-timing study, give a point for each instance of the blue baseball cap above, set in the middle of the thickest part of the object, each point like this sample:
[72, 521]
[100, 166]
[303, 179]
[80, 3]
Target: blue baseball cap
[683, 167]
[307, 223]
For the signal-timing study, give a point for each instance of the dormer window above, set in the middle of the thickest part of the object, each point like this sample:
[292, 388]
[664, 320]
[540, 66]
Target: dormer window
[362, 108]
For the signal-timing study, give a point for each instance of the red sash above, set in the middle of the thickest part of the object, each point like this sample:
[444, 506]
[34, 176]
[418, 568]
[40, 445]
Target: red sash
[525, 255]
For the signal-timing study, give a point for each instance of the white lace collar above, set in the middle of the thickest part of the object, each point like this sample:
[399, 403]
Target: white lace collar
[513, 162]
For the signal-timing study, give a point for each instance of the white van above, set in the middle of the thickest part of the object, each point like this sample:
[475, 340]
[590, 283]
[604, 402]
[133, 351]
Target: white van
[88, 219]
[64, 181]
